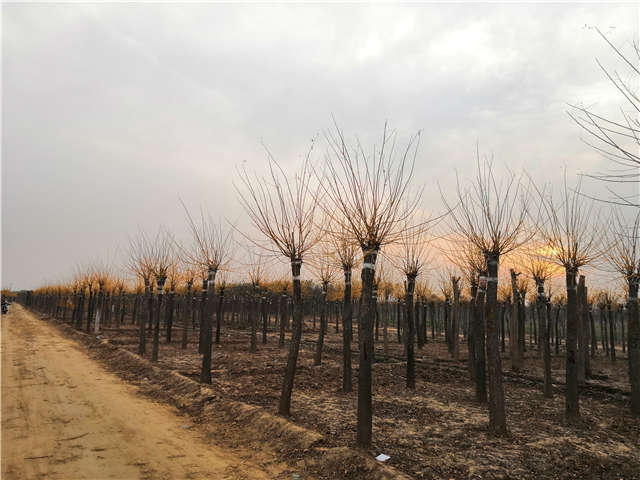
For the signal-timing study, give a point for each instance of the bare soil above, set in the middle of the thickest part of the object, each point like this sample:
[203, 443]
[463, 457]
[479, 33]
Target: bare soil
[65, 417]
[437, 431]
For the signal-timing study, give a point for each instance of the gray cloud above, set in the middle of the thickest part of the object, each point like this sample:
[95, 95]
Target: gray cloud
[112, 111]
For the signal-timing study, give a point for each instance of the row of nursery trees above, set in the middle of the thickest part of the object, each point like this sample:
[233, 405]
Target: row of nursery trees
[355, 207]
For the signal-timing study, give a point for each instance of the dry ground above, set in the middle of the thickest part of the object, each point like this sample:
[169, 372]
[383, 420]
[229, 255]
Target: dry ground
[65, 417]
[437, 431]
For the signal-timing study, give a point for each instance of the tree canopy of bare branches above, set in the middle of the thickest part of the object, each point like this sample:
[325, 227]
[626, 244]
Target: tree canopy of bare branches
[492, 216]
[571, 235]
[617, 140]
[283, 209]
[369, 195]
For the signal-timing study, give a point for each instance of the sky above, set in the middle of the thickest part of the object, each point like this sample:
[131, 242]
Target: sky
[112, 113]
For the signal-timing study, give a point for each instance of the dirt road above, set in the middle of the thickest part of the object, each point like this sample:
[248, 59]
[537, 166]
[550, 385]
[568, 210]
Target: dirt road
[65, 417]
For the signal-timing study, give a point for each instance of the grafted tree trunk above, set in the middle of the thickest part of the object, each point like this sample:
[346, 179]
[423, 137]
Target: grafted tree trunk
[594, 340]
[207, 326]
[80, 309]
[580, 330]
[585, 333]
[122, 308]
[203, 314]
[572, 405]
[411, 361]
[283, 316]
[557, 323]
[517, 359]
[612, 333]
[186, 316]
[347, 318]
[633, 340]
[622, 342]
[284, 407]
[548, 386]
[156, 327]
[323, 325]
[265, 318]
[479, 357]
[455, 318]
[90, 308]
[385, 327]
[142, 345]
[364, 428]
[544, 310]
[169, 313]
[219, 312]
[497, 417]
[253, 318]
[473, 288]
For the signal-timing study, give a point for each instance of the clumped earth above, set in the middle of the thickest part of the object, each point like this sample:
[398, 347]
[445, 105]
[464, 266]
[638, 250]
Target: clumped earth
[438, 430]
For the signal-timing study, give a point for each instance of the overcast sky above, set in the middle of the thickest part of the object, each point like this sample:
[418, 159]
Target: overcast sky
[111, 112]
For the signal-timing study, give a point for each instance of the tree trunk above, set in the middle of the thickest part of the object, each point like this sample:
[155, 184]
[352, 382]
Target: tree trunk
[156, 327]
[219, 312]
[594, 340]
[612, 334]
[633, 344]
[544, 311]
[283, 316]
[479, 356]
[284, 407]
[572, 405]
[471, 360]
[79, 311]
[265, 318]
[580, 331]
[169, 314]
[206, 325]
[186, 316]
[142, 345]
[585, 333]
[455, 319]
[514, 339]
[411, 361]
[558, 330]
[548, 386]
[253, 314]
[323, 325]
[497, 417]
[90, 309]
[364, 427]
[347, 316]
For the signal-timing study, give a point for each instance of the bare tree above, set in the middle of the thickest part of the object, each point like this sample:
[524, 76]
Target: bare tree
[140, 263]
[283, 209]
[163, 259]
[324, 267]
[369, 196]
[189, 275]
[617, 140]
[346, 250]
[541, 270]
[256, 276]
[492, 215]
[413, 258]
[470, 260]
[623, 254]
[211, 250]
[572, 238]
